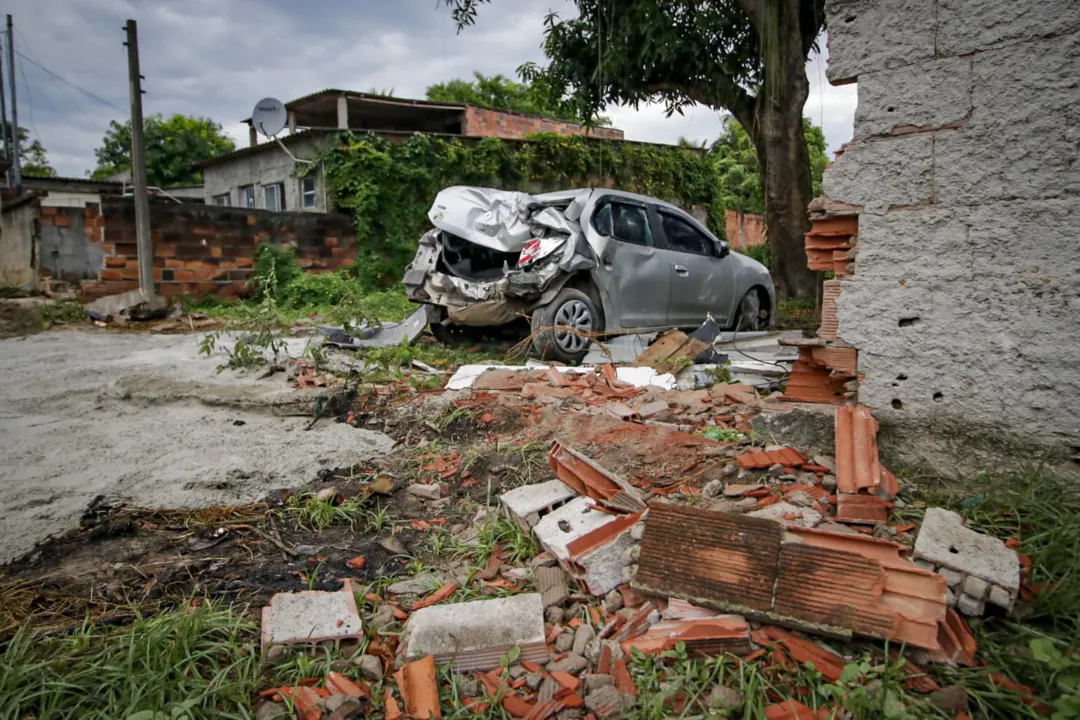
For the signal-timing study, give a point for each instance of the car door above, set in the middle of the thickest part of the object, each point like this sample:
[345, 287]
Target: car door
[702, 273]
[637, 280]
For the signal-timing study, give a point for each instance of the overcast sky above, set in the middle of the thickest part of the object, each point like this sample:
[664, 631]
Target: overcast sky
[216, 58]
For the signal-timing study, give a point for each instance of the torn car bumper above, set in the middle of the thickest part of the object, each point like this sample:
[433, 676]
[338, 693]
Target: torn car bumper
[474, 302]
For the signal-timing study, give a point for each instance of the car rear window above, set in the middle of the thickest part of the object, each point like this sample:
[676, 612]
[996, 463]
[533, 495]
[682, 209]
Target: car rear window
[626, 223]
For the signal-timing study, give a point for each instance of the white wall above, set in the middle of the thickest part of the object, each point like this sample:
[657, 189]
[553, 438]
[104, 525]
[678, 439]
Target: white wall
[267, 166]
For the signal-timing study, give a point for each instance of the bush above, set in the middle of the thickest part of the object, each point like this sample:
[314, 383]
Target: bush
[761, 253]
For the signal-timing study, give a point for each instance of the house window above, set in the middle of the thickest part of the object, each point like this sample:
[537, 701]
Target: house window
[307, 192]
[274, 196]
[247, 196]
[223, 200]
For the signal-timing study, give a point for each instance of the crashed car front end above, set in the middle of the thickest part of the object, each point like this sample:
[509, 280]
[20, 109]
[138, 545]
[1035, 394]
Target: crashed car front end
[495, 255]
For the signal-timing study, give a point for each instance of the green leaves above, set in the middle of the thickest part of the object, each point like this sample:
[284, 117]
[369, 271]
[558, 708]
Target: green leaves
[389, 187]
[171, 146]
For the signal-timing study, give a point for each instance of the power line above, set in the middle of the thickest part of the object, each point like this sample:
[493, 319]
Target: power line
[70, 84]
[52, 77]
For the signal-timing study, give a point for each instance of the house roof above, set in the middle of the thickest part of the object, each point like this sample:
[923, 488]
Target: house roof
[293, 139]
[57, 182]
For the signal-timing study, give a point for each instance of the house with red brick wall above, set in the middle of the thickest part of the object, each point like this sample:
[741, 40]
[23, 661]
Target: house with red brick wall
[264, 174]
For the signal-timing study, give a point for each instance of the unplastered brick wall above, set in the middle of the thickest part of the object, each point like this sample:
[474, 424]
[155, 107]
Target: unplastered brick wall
[496, 123]
[965, 167]
[744, 230]
[205, 249]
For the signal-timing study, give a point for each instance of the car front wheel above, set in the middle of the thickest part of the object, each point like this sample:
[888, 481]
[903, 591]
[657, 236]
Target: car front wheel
[751, 316]
[563, 328]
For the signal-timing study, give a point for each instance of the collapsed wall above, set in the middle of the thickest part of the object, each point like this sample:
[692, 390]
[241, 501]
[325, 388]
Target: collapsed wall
[965, 166]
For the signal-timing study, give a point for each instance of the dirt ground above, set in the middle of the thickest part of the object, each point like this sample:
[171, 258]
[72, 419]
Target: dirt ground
[141, 419]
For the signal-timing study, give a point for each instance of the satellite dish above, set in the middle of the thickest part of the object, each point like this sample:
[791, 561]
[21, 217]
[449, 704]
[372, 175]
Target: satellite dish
[269, 116]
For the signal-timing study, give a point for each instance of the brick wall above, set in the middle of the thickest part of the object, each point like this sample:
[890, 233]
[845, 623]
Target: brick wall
[201, 249]
[496, 123]
[743, 229]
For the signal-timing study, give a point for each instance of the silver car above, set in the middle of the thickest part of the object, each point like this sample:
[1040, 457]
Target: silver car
[579, 264]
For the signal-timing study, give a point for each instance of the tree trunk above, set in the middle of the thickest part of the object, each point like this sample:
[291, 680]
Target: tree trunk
[782, 153]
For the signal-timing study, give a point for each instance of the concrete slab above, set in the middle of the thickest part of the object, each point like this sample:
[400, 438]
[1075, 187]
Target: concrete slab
[621, 349]
[389, 334]
[466, 375]
[944, 541]
[528, 503]
[311, 616]
[476, 635]
[781, 512]
[568, 523]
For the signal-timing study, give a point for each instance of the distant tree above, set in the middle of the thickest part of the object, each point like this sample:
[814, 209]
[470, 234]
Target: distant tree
[738, 171]
[171, 146]
[500, 92]
[33, 158]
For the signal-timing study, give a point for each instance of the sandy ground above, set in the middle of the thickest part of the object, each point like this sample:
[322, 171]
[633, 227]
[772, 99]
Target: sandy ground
[145, 420]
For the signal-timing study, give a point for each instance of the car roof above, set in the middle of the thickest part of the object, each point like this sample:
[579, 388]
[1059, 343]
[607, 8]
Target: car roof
[571, 194]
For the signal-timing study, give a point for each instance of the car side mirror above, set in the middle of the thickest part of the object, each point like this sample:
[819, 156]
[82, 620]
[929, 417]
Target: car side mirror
[725, 249]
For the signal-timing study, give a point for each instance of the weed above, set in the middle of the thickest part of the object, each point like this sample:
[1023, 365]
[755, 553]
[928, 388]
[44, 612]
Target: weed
[720, 434]
[191, 662]
[314, 515]
[378, 519]
[518, 545]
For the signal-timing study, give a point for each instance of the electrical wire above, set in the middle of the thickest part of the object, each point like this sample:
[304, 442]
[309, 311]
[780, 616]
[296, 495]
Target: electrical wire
[52, 76]
[89, 94]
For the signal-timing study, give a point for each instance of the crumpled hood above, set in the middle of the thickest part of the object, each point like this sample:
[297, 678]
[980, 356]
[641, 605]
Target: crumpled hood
[498, 219]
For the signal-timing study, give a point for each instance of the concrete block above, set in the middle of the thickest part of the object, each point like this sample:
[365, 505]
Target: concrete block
[1014, 83]
[945, 541]
[963, 29]
[882, 173]
[1001, 597]
[952, 578]
[976, 588]
[476, 635]
[310, 617]
[950, 598]
[894, 246]
[868, 35]
[970, 606]
[527, 503]
[1029, 160]
[417, 585]
[923, 564]
[926, 95]
[601, 568]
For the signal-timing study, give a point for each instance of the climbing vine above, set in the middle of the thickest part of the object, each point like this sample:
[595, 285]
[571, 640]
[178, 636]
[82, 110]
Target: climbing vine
[388, 187]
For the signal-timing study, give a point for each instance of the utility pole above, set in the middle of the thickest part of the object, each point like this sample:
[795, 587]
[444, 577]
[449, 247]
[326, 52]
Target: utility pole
[16, 173]
[138, 164]
[3, 122]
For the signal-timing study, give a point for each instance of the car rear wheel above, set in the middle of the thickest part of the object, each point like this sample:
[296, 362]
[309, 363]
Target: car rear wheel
[574, 318]
[750, 313]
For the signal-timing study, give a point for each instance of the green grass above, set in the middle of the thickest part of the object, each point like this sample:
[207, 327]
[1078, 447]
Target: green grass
[185, 663]
[1043, 512]
[21, 320]
[310, 513]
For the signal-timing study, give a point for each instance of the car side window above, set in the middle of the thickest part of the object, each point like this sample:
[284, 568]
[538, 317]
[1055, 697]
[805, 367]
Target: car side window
[684, 237]
[624, 222]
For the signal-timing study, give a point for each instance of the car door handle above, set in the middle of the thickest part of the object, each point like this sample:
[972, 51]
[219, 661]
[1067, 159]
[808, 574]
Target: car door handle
[680, 270]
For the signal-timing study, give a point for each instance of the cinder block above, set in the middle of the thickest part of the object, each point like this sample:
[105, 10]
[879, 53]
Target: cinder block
[882, 173]
[1028, 161]
[970, 606]
[1001, 597]
[963, 29]
[528, 503]
[926, 95]
[944, 540]
[976, 588]
[869, 35]
[1011, 84]
[952, 578]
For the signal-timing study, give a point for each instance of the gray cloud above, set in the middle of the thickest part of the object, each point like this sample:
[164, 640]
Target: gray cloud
[215, 58]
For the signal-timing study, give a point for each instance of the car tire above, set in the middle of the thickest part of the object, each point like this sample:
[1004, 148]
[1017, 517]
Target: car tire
[572, 308]
[749, 316]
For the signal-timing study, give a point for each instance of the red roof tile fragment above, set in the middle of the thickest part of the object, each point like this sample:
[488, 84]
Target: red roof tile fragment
[868, 509]
[794, 710]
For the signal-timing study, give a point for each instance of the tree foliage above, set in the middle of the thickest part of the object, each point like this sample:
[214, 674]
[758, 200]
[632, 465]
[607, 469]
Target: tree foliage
[747, 56]
[389, 186]
[171, 146]
[33, 158]
[739, 173]
[502, 93]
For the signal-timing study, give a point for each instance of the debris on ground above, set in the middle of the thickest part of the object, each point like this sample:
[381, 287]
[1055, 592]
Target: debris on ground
[310, 617]
[979, 569]
[380, 335]
[670, 351]
[476, 635]
[131, 305]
